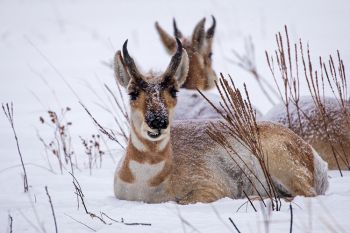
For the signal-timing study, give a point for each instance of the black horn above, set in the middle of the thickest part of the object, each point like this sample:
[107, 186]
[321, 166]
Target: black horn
[129, 62]
[175, 61]
[177, 32]
[211, 30]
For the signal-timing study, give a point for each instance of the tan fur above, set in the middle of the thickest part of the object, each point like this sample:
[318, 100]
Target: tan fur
[178, 161]
[194, 177]
[313, 130]
[287, 154]
[201, 74]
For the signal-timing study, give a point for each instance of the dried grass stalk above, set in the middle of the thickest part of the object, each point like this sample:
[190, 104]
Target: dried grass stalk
[117, 108]
[52, 209]
[109, 133]
[240, 122]
[61, 144]
[246, 61]
[8, 111]
[329, 75]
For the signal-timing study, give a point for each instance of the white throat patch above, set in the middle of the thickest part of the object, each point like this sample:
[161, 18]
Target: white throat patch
[143, 172]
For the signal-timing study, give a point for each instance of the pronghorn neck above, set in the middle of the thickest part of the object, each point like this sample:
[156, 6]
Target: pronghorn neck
[151, 158]
[140, 144]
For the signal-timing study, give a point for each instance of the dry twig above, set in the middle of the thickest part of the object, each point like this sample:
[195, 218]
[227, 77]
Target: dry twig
[109, 133]
[81, 223]
[240, 122]
[10, 228]
[246, 61]
[8, 111]
[291, 218]
[80, 195]
[52, 209]
[234, 225]
[126, 223]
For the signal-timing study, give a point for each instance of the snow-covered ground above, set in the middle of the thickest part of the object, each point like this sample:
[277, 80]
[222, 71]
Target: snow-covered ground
[48, 48]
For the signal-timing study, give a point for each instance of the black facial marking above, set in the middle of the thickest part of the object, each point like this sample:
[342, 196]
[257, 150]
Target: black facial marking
[173, 92]
[133, 95]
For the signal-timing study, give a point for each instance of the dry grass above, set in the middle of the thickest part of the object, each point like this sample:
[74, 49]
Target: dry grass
[81, 201]
[60, 146]
[240, 122]
[94, 151]
[10, 226]
[108, 132]
[114, 104]
[8, 111]
[52, 209]
[246, 61]
[293, 67]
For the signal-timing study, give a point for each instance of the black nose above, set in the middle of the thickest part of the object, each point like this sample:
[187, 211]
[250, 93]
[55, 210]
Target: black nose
[157, 121]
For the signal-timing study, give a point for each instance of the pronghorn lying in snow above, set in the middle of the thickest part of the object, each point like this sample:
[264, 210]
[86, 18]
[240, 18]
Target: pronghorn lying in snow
[178, 161]
[313, 131]
[201, 74]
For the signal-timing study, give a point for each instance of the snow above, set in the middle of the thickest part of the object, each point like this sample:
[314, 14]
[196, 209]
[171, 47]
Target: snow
[49, 48]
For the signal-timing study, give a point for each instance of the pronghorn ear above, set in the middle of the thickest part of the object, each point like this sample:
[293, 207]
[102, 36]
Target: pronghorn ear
[182, 70]
[168, 41]
[120, 71]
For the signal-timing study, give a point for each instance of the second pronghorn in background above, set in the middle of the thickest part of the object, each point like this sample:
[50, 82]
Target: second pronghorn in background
[331, 142]
[201, 74]
[178, 161]
[199, 49]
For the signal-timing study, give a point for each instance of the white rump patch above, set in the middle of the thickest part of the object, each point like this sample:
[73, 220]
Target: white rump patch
[320, 174]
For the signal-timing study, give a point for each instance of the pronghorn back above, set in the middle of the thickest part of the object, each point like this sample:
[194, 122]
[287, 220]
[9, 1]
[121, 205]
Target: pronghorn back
[312, 128]
[200, 161]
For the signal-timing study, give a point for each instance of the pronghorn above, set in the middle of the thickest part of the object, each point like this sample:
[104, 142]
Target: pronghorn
[200, 75]
[178, 161]
[199, 49]
[313, 131]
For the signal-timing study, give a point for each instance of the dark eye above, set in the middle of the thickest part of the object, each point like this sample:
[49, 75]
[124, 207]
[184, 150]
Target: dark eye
[133, 95]
[210, 55]
[173, 92]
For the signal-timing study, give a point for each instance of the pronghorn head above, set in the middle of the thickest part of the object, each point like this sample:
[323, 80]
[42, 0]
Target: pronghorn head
[152, 96]
[199, 48]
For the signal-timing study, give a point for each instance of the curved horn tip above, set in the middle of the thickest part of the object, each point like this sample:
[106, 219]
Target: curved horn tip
[174, 25]
[177, 32]
[213, 18]
[125, 45]
[156, 24]
[214, 21]
[211, 30]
